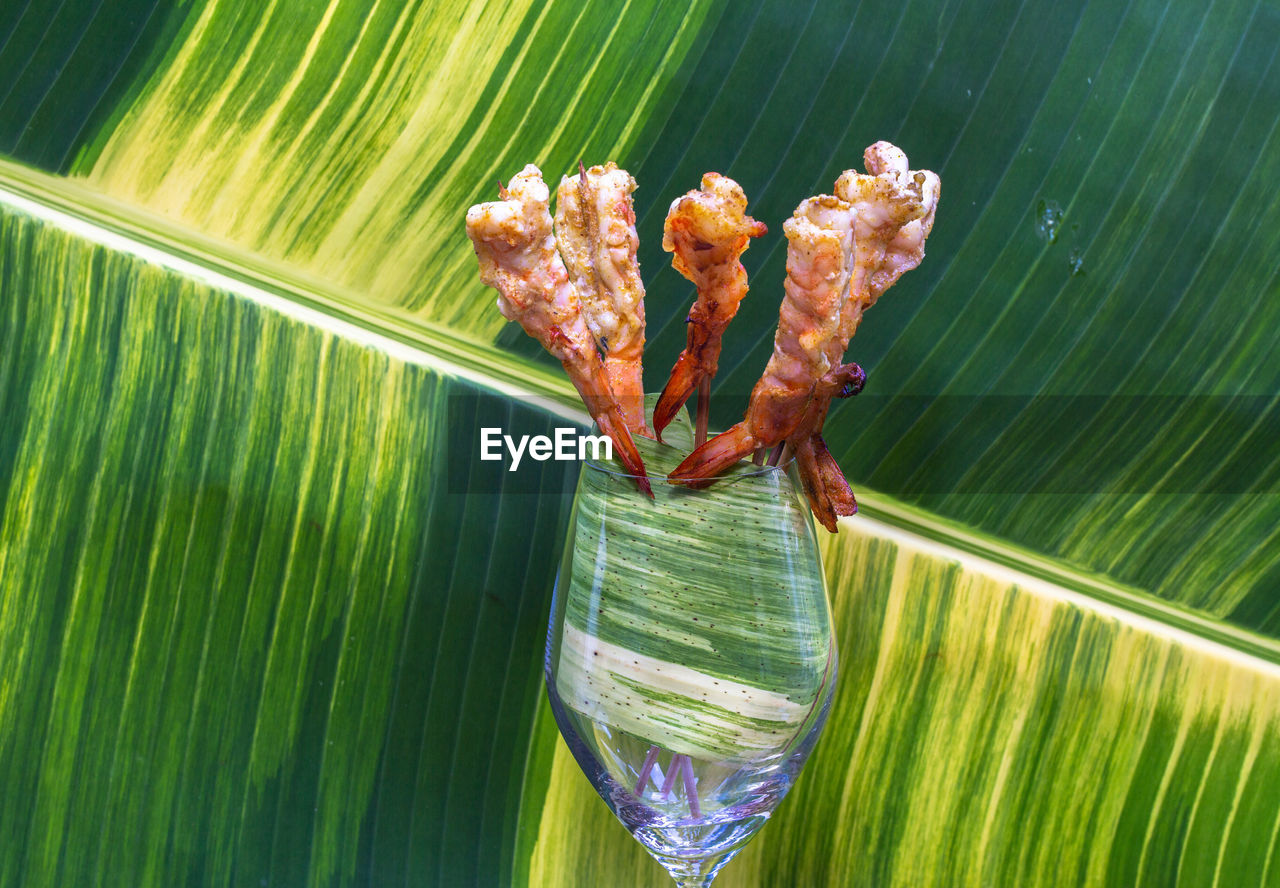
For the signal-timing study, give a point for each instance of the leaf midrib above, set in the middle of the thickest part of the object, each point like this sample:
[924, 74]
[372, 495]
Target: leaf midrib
[342, 312]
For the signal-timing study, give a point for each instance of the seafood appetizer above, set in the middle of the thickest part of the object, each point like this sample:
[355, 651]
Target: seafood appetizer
[596, 232]
[517, 254]
[691, 659]
[894, 208]
[706, 232]
[578, 291]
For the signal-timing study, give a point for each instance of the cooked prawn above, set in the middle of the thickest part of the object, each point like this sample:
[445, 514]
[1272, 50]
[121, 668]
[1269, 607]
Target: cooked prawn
[706, 232]
[517, 254]
[895, 209]
[596, 231]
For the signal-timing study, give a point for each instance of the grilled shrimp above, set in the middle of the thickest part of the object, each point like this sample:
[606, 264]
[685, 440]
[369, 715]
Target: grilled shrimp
[895, 209]
[596, 231]
[706, 232]
[517, 254]
[820, 241]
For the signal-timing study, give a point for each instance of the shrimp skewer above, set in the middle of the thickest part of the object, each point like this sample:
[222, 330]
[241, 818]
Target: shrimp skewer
[895, 209]
[820, 241]
[706, 232]
[596, 231]
[517, 255]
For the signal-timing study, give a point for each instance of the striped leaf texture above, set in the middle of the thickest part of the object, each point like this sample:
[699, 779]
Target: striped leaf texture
[266, 618]
[261, 621]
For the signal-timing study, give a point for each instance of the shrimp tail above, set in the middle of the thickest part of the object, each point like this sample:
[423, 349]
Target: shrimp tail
[628, 391]
[700, 467]
[684, 379]
[604, 409]
[824, 484]
[614, 425]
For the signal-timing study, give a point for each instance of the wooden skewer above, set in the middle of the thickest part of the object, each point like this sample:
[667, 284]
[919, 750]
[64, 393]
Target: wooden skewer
[777, 454]
[691, 787]
[673, 769]
[649, 760]
[704, 412]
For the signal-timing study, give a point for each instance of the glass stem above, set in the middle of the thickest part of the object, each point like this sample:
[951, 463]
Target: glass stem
[695, 873]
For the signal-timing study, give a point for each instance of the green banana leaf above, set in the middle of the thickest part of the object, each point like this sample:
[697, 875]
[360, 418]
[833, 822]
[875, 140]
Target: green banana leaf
[265, 618]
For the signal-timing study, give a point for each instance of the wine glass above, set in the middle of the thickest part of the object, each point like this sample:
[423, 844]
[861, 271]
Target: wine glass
[690, 658]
